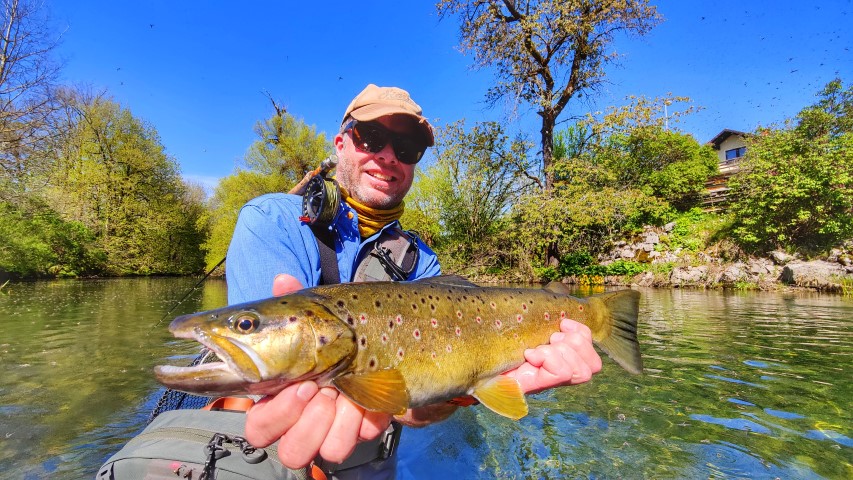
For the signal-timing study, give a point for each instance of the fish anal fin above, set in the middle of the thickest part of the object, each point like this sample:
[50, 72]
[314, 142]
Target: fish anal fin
[502, 395]
[378, 391]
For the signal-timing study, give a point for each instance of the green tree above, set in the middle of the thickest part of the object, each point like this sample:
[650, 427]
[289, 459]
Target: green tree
[546, 52]
[460, 203]
[285, 150]
[115, 178]
[794, 189]
[286, 146]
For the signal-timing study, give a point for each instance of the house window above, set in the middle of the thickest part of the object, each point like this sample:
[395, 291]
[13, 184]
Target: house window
[735, 153]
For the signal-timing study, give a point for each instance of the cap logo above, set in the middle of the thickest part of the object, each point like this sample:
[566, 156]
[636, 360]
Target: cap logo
[394, 95]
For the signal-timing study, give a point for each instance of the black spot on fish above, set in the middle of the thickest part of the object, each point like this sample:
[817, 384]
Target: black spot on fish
[283, 302]
[354, 296]
[414, 306]
[322, 339]
[423, 300]
[400, 296]
[350, 320]
[432, 306]
[362, 341]
[340, 304]
[292, 318]
[391, 324]
[309, 313]
[372, 362]
[377, 303]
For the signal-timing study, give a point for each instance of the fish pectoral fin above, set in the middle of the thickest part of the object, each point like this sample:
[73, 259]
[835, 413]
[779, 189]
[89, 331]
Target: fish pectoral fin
[378, 391]
[502, 395]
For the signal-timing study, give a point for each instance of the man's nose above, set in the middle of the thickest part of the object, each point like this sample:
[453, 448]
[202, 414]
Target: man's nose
[387, 153]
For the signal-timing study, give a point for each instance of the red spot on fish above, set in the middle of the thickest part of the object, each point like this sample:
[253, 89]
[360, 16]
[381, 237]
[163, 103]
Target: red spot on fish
[399, 319]
[458, 331]
[562, 314]
[518, 318]
[433, 322]
[498, 323]
[458, 313]
[417, 334]
[434, 356]
[401, 353]
[547, 316]
[384, 338]
[479, 319]
[524, 306]
[580, 308]
[362, 318]
[493, 305]
[449, 349]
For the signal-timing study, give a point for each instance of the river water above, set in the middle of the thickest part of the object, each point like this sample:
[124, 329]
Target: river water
[737, 385]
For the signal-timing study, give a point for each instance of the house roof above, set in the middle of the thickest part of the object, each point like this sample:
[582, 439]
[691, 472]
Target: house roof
[722, 136]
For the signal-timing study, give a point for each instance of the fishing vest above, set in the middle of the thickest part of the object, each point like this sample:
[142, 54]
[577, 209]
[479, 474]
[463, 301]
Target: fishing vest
[391, 256]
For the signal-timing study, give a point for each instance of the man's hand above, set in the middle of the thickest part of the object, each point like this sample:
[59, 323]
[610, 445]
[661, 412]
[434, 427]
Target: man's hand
[568, 359]
[307, 420]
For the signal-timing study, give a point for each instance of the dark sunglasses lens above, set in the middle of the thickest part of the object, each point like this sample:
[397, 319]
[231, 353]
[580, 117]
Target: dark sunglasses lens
[369, 138]
[407, 151]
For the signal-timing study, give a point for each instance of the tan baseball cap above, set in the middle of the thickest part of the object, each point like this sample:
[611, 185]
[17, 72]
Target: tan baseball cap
[374, 102]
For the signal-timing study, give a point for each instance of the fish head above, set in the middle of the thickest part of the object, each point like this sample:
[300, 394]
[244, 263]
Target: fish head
[264, 346]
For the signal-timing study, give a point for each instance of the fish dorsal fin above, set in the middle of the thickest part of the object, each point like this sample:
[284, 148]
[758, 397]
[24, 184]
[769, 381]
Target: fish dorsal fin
[503, 396]
[378, 391]
[454, 280]
[558, 287]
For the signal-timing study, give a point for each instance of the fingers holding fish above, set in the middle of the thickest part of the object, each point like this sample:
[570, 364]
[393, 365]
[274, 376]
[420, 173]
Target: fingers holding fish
[579, 337]
[271, 417]
[344, 433]
[302, 442]
[373, 424]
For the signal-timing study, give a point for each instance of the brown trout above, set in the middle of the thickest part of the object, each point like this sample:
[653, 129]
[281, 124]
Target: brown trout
[389, 346]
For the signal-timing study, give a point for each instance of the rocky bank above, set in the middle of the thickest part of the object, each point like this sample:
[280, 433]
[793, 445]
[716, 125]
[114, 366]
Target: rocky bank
[682, 268]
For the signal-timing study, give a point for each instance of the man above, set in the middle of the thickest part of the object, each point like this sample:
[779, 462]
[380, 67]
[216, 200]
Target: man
[383, 135]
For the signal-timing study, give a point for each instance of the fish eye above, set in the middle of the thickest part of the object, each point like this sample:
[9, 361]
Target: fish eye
[245, 322]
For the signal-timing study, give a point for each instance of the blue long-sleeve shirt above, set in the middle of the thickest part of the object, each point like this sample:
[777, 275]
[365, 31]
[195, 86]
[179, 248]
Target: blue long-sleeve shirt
[269, 239]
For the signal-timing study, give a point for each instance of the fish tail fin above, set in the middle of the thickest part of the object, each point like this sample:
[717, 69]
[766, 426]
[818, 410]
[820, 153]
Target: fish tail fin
[621, 344]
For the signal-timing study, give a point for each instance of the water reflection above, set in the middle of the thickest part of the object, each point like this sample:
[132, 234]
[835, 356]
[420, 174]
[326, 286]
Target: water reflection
[738, 385]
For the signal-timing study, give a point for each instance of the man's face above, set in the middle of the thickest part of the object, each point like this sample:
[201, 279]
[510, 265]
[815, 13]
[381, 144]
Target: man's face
[378, 180]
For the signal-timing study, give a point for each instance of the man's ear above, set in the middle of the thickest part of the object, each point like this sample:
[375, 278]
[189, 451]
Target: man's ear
[339, 144]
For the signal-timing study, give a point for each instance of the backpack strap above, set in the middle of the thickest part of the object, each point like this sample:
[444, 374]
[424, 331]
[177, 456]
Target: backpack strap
[329, 273]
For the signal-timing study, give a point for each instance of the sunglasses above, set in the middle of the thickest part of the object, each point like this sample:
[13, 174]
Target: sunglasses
[372, 137]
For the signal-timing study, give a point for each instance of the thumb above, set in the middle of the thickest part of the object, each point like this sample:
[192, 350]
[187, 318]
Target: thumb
[284, 283]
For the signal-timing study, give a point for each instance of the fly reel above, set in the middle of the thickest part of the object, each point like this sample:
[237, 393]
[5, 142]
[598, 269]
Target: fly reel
[321, 201]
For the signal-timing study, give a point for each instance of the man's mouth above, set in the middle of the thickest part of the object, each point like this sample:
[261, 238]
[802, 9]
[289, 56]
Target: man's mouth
[381, 176]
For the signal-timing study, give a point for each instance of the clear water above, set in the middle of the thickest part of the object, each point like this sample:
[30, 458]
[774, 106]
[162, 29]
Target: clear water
[737, 385]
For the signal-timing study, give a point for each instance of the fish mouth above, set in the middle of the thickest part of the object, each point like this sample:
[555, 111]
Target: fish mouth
[240, 366]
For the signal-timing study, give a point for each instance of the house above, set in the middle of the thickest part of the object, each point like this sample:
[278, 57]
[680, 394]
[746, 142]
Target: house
[730, 146]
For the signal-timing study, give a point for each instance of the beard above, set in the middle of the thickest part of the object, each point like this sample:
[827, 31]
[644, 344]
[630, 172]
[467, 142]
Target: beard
[348, 176]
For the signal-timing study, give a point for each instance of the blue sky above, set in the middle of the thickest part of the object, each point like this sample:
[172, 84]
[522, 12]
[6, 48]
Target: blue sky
[198, 70]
